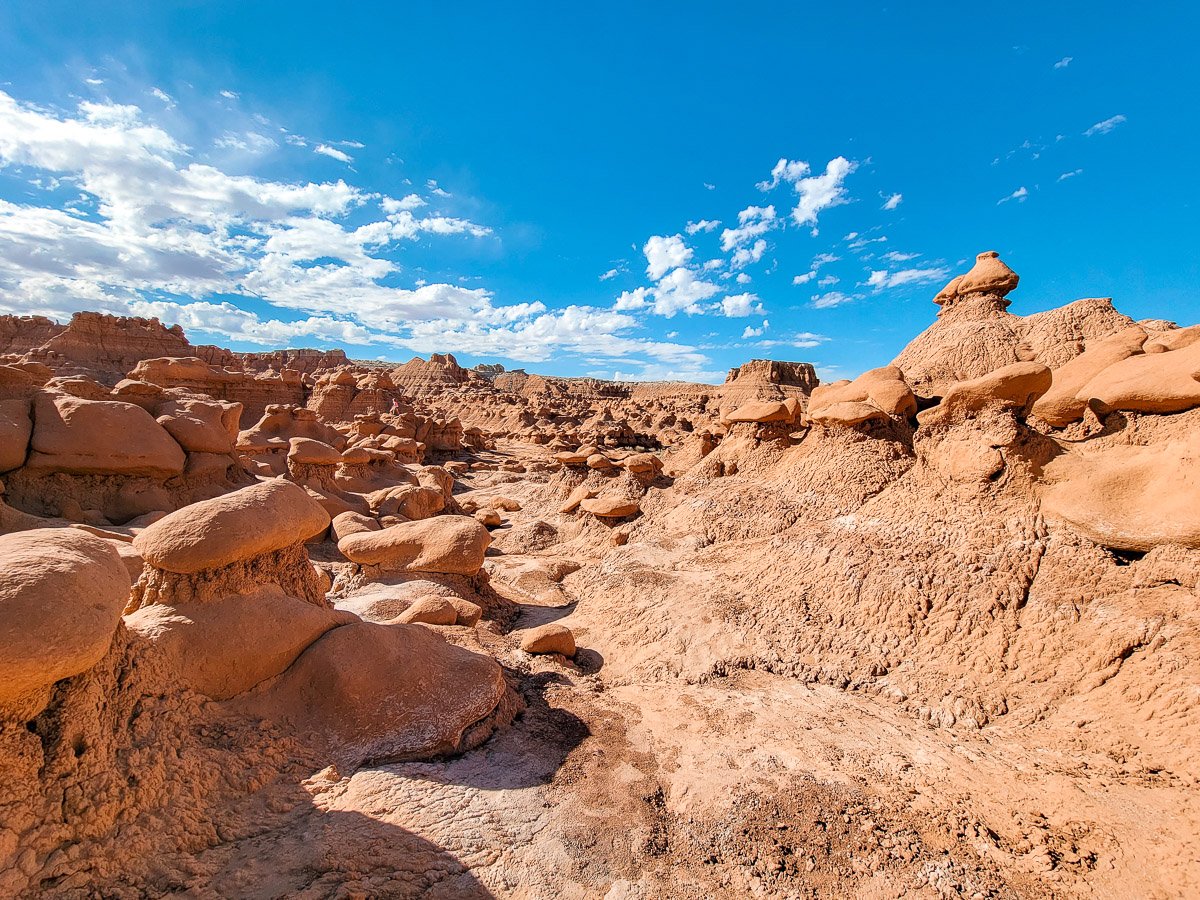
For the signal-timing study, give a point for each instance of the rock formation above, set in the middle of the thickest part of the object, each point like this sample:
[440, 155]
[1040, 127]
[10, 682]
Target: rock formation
[289, 624]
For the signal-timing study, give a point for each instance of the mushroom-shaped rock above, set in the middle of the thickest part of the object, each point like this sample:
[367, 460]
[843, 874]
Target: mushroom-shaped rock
[1011, 387]
[452, 545]
[102, 437]
[224, 647]
[408, 501]
[1129, 497]
[242, 524]
[762, 411]
[551, 638]
[600, 462]
[610, 507]
[61, 597]
[642, 463]
[989, 275]
[577, 496]
[308, 452]
[368, 692]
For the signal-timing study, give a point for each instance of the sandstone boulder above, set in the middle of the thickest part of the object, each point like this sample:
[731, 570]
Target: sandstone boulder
[236, 526]
[86, 437]
[453, 545]
[610, 507]
[551, 638]
[61, 597]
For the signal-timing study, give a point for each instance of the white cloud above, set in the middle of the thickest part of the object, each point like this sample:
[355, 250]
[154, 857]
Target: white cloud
[741, 305]
[665, 253]
[894, 256]
[884, 279]
[1106, 126]
[1064, 62]
[830, 300]
[752, 222]
[638, 298]
[681, 291]
[751, 332]
[435, 189]
[333, 153]
[828, 281]
[862, 241]
[1019, 195]
[154, 223]
[709, 187]
[816, 193]
[230, 95]
[785, 170]
[610, 274]
[1065, 175]
[246, 142]
[162, 95]
[743, 278]
[819, 260]
[704, 225]
[744, 256]
[893, 201]
[410, 202]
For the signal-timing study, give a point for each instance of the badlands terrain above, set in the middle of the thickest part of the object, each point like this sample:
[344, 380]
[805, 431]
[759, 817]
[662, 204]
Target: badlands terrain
[287, 625]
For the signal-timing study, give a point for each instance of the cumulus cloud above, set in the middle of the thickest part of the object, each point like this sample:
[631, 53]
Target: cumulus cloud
[815, 193]
[745, 256]
[665, 253]
[1106, 126]
[884, 279]
[739, 306]
[752, 222]
[155, 223]
[893, 201]
[681, 291]
[704, 225]
[751, 332]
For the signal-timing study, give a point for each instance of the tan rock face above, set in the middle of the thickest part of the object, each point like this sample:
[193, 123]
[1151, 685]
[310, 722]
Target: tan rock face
[16, 427]
[237, 526]
[875, 395]
[61, 597]
[447, 544]
[610, 507]
[382, 692]
[1129, 498]
[100, 437]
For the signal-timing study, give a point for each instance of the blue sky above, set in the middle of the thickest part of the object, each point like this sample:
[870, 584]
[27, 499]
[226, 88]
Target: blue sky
[538, 185]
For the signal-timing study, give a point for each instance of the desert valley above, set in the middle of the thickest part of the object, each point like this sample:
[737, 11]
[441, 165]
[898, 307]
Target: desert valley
[289, 624]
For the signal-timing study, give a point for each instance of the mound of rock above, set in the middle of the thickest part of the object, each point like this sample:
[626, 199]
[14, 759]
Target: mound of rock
[453, 545]
[60, 604]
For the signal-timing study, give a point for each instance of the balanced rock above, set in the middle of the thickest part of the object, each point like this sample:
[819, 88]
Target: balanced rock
[610, 507]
